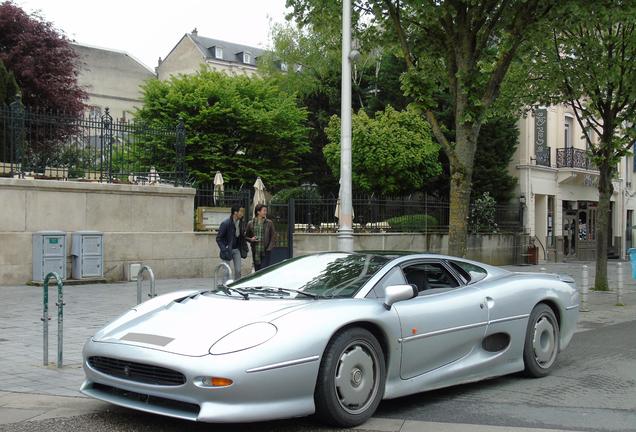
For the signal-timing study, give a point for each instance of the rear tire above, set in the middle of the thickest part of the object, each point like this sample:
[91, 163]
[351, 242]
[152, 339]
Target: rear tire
[351, 379]
[541, 346]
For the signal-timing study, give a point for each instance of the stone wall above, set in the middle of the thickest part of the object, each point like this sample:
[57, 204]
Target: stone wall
[154, 225]
[150, 224]
[496, 249]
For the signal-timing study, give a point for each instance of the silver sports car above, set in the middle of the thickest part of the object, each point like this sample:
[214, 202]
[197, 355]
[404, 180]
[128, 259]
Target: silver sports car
[331, 334]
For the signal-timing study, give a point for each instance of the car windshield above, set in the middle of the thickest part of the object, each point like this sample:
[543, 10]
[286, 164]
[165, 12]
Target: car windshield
[325, 275]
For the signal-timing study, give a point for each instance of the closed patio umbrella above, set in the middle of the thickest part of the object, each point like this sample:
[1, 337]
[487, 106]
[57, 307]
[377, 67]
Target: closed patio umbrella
[218, 187]
[259, 192]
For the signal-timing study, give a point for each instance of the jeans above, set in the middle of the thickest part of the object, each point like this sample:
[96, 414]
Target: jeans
[235, 263]
[265, 260]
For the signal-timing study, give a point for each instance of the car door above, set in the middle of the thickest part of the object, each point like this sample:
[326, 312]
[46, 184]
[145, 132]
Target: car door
[443, 324]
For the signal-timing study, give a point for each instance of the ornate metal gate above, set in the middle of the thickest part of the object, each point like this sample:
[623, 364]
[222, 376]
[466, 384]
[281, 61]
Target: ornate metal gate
[283, 217]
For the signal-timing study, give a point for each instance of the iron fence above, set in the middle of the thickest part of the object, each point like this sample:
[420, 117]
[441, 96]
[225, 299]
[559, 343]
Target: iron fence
[570, 157]
[48, 145]
[207, 196]
[372, 214]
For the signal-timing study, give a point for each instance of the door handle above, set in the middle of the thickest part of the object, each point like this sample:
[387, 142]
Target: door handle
[489, 301]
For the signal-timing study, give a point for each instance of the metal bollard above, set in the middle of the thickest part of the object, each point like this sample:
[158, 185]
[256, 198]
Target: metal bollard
[585, 287]
[230, 273]
[60, 318]
[140, 279]
[619, 288]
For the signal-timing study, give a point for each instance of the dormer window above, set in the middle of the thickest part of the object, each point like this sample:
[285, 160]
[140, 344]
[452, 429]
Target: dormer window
[218, 52]
[247, 57]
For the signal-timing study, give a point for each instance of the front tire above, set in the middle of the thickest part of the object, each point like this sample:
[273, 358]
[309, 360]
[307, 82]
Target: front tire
[351, 379]
[541, 346]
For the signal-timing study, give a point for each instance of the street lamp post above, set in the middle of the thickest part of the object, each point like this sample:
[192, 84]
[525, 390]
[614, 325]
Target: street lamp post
[345, 217]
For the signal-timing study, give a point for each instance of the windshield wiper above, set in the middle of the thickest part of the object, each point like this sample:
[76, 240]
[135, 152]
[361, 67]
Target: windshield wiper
[277, 290]
[228, 291]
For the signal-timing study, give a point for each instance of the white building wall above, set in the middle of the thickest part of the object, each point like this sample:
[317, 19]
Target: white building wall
[112, 79]
[566, 184]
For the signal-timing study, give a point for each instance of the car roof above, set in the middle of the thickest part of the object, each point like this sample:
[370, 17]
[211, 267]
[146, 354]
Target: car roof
[403, 256]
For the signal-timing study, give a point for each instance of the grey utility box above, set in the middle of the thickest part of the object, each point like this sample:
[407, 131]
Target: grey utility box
[49, 254]
[87, 253]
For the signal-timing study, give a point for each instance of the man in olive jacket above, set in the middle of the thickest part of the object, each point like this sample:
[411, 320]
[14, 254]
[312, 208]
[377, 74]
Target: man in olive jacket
[262, 237]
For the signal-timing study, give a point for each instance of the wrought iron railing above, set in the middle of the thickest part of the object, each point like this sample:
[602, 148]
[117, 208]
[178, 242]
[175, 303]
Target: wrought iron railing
[48, 145]
[401, 214]
[570, 157]
[210, 196]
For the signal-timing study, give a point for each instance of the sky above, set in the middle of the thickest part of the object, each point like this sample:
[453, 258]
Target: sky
[150, 29]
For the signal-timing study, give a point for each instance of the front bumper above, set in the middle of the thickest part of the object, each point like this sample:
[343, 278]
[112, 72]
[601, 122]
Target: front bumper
[263, 393]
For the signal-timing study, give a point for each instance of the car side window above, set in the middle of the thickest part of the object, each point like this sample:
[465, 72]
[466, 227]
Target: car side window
[393, 277]
[469, 272]
[430, 278]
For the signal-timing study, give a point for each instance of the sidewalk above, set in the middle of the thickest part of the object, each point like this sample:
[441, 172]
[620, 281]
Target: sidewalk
[602, 305]
[25, 383]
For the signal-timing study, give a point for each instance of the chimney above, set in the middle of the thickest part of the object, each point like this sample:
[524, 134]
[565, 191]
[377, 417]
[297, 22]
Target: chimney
[159, 62]
[194, 32]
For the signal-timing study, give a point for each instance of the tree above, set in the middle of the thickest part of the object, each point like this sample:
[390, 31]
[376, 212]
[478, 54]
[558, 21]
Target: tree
[42, 59]
[592, 58]
[8, 90]
[463, 47]
[483, 215]
[496, 145]
[8, 85]
[244, 127]
[307, 63]
[392, 152]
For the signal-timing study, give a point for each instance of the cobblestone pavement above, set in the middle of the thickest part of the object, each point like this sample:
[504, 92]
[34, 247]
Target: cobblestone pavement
[88, 308]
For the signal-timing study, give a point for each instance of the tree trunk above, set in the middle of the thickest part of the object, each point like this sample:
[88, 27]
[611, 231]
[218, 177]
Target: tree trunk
[605, 190]
[459, 208]
[461, 170]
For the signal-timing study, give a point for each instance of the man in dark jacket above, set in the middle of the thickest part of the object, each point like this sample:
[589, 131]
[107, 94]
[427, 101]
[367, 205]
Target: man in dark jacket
[231, 241]
[262, 236]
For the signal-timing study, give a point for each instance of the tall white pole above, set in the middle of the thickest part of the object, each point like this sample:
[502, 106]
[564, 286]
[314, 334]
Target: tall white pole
[345, 219]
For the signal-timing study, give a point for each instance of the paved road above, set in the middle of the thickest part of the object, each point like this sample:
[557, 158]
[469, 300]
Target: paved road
[593, 389]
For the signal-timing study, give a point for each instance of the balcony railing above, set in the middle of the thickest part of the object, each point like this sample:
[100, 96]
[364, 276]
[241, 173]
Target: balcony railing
[543, 156]
[570, 157]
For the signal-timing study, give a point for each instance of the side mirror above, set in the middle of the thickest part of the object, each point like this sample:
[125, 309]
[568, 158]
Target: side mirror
[396, 293]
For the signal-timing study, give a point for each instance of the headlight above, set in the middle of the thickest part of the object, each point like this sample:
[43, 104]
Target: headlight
[244, 338]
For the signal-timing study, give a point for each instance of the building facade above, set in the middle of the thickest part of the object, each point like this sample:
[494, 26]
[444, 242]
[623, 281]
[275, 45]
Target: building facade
[194, 51]
[558, 188]
[113, 80]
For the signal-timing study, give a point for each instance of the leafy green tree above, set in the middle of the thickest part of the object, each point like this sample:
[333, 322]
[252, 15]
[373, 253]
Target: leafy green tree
[592, 58]
[244, 127]
[298, 193]
[496, 145]
[483, 214]
[307, 63]
[463, 47]
[392, 152]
